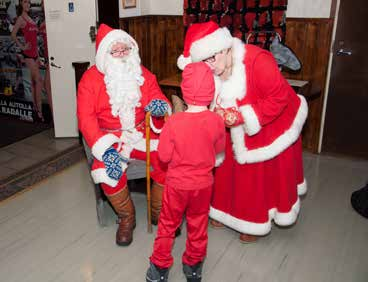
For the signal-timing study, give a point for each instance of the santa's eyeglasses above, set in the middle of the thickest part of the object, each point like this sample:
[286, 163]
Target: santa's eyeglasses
[119, 52]
[212, 59]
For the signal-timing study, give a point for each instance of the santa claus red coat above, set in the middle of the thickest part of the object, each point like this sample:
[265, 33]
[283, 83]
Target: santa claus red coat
[101, 128]
[262, 173]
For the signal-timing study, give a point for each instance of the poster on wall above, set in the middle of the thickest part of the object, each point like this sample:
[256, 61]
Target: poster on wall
[23, 60]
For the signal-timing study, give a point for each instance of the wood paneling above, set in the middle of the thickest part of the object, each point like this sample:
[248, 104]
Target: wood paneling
[160, 39]
[310, 39]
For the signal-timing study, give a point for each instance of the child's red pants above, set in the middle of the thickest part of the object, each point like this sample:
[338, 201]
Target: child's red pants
[195, 205]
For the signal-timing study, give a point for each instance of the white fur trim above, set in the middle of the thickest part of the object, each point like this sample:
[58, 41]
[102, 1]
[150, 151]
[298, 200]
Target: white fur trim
[154, 144]
[100, 176]
[100, 146]
[220, 159]
[251, 122]
[286, 218]
[141, 145]
[131, 137]
[247, 227]
[134, 140]
[243, 155]
[235, 86]
[125, 150]
[113, 36]
[302, 188]
[154, 128]
[211, 44]
[183, 61]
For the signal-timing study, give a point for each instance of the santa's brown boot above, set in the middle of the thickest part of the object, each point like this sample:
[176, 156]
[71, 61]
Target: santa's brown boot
[156, 201]
[216, 224]
[247, 238]
[125, 210]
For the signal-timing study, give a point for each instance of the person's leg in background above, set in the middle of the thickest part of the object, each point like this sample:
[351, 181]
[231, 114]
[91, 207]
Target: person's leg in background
[158, 174]
[36, 82]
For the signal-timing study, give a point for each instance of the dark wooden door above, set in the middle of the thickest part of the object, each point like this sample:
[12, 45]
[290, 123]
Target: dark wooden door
[108, 12]
[346, 124]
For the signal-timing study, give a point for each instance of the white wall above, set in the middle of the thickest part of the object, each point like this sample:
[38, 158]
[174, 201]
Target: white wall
[165, 7]
[296, 8]
[308, 9]
[145, 7]
[152, 7]
[130, 12]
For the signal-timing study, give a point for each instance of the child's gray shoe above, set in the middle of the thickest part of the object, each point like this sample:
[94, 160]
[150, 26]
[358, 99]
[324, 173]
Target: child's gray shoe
[193, 273]
[157, 274]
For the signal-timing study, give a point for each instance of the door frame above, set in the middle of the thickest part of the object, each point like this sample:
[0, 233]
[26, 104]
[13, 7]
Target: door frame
[335, 8]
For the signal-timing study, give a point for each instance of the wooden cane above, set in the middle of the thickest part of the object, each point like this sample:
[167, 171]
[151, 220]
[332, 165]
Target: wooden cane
[148, 171]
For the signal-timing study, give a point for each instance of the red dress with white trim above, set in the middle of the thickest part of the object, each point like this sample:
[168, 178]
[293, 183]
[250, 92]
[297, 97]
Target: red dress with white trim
[262, 174]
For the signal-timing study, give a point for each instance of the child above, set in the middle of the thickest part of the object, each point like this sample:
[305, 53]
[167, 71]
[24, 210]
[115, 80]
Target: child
[189, 143]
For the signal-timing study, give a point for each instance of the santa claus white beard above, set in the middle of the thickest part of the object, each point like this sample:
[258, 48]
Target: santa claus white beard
[123, 77]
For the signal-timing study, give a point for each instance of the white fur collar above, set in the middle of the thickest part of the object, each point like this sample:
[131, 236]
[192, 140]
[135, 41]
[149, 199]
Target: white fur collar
[234, 87]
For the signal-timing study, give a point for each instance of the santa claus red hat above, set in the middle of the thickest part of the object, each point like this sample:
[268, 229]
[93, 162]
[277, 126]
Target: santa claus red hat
[198, 85]
[105, 38]
[203, 40]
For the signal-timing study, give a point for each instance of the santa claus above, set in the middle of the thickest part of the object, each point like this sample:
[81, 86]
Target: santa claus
[262, 173]
[113, 97]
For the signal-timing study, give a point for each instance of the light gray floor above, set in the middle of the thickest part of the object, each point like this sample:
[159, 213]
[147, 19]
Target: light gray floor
[50, 233]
